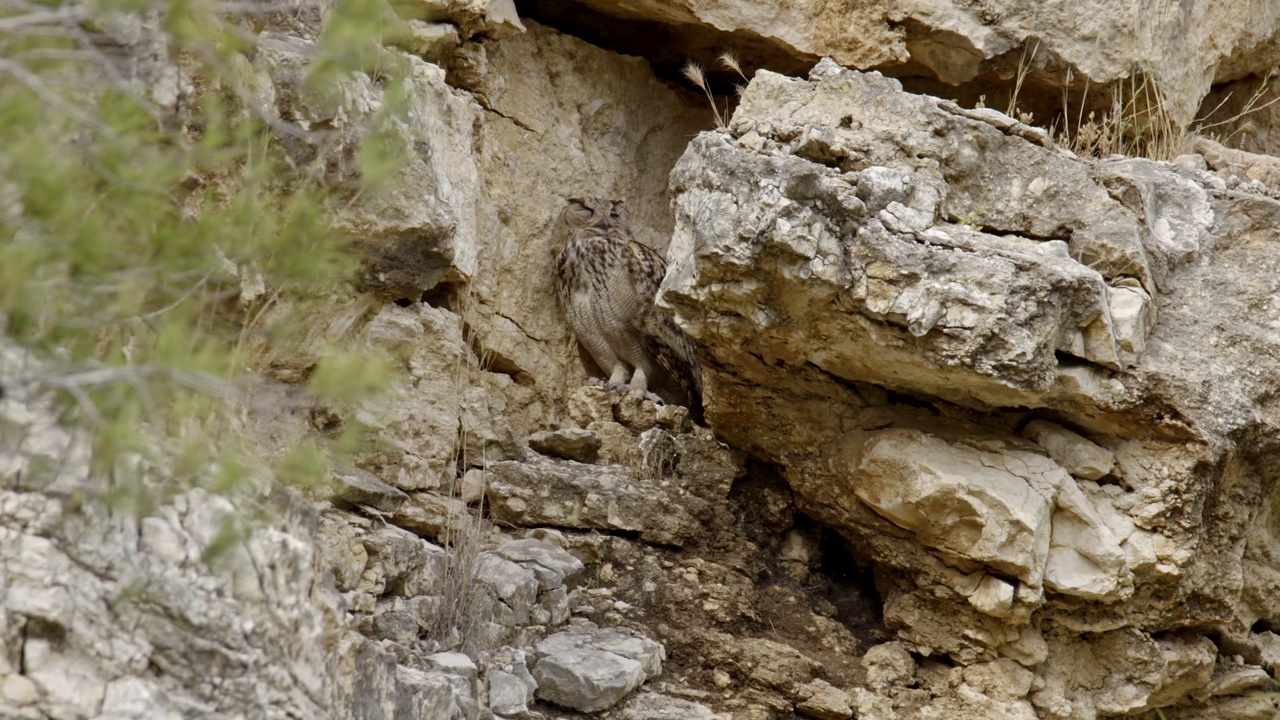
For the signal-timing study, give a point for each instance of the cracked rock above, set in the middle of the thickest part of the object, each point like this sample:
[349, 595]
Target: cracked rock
[592, 669]
[567, 444]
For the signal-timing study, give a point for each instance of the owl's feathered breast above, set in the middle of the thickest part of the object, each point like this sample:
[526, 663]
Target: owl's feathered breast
[601, 285]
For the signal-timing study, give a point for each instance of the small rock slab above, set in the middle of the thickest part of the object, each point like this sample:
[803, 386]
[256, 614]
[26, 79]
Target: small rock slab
[509, 696]
[567, 494]
[1075, 453]
[511, 685]
[655, 706]
[361, 487]
[430, 515]
[568, 444]
[453, 663]
[821, 700]
[552, 565]
[590, 669]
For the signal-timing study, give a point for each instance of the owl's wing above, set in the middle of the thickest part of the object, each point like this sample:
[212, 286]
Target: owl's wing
[662, 338]
[667, 343]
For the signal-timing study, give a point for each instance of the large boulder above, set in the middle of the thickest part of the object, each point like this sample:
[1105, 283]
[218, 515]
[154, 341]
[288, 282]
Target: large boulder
[1032, 390]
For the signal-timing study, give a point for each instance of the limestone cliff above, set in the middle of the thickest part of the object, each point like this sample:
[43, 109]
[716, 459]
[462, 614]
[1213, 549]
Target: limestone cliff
[990, 426]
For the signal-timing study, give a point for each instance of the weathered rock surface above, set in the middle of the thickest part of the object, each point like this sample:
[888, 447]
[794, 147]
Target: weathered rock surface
[1011, 416]
[105, 617]
[1076, 454]
[363, 488]
[573, 495]
[511, 686]
[842, 242]
[567, 444]
[590, 669]
[654, 706]
[980, 46]
[818, 699]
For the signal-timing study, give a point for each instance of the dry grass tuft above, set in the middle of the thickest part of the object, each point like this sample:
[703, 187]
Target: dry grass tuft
[694, 73]
[1254, 104]
[464, 616]
[1137, 124]
[1024, 67]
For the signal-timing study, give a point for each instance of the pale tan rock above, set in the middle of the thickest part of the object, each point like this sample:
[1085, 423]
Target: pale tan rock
[1269, 645]
[636, 412]
[875, 271]
[573, 495]
[889, 665]
[967, 703]
[410, 245]
[343, 552]
[1122, 671]
[797, 554]
[1001, 679]
[993, 596]
[1013, 511]
[362, 488]
[568, 444]
[774, 664]
[590, 404]
[431, 514]
[487, 435]
[654, 706]
[872, 705]
[1076, 454]
[936, 490]
[1028, 649]
[18, 690]
[1085, 559]
[1237, 682]
[819, 699]
[431, 41]
[471, 487]
[674, 418]
[417, 424]
[960, 43]
[592, 669]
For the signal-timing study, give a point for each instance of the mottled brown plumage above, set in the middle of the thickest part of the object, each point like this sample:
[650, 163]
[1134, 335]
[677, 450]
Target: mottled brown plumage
[607, 283]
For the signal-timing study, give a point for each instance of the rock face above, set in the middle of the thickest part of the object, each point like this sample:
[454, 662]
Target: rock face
[981, 46]
[92, 600]
[842, 243]
[991, 428]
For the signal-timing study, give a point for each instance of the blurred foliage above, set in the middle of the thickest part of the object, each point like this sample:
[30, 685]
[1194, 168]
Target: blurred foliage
[149, 250]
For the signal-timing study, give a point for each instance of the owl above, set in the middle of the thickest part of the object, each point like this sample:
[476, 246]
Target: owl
[606, 282]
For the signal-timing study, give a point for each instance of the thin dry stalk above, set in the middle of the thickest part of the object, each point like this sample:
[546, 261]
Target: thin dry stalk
[1024, 67]
[693, 73]
[1250, 107]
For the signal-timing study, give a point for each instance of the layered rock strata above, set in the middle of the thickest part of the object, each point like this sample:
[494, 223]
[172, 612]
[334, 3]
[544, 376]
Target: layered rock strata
[1018, 382]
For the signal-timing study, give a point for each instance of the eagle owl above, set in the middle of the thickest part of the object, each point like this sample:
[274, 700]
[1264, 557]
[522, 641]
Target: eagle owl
[607, 283]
